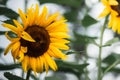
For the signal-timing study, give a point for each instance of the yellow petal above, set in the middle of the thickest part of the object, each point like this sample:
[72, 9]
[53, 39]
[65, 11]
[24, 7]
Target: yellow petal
[11, 39]
[36, 13]
[60, 46]
[24, 49]
[30, 16]
[36, 10]
[105, 12]
[52, 54]
[19, 26]
[42, 17]
[25, 63]
[23, 17]
[59, 35]
[45, 63]
[55, 40]
[59, 28]
[27, 37]
[15, 46]
[110, 22]
[15, 53]
[57, 52]
[33, 64]
[118, 29]
[41, 64]
[51, 19]
[9, 47]
[55, 24]
[38, 65]
[20, 57]
[113, 2]
[115, 24]
[51, 62]
[105, 2]
[11, 27]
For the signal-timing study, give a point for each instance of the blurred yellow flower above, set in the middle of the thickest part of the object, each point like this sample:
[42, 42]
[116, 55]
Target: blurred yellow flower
[39, 39]
[112, 7]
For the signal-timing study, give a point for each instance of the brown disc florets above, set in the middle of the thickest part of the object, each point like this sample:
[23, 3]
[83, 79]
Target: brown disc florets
[42, 38]
[116, 8]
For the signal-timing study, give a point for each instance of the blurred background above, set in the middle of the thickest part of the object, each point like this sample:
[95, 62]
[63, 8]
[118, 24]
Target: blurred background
[84, 28]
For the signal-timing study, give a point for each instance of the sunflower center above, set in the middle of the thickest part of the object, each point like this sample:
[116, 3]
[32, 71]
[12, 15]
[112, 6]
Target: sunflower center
[42, 38]
[116, 8]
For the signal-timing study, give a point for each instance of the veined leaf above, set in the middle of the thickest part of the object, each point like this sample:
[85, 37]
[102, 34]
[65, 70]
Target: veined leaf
[72, 3]
[88, 20]
[51, 78]
[8, 22]
[2, 32]
[3, 2]
[110, 42]
[9, 67]
[111, 58]
[76, 69]
[8, 12]
[10, 76]
[71, 15]
[1, 50]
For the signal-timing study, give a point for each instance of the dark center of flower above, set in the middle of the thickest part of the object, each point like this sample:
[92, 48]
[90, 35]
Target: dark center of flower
[116, 8]
[42, 38]
[118, 1]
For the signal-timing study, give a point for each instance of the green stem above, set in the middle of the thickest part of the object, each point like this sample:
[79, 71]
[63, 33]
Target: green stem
[86, 74]
[86, 70]
[26, 1]
[22, 73]
[111, 66]
[100, 49]
[28, 74]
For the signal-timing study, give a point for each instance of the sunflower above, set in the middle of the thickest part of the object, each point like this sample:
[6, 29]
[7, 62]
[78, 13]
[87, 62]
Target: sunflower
[40, 38]
[112, 7]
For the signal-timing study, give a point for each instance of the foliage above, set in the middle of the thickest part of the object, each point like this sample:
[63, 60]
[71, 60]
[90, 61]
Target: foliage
[10, 76]
[8, 12]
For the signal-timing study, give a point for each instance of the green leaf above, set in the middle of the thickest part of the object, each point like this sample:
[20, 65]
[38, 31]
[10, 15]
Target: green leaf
[88, 20]
[3, 2]
[72, 15]
[51, 78]
[111, 58]
[70, 52]
[110, 42]
[34, 77]
[10, 76]
[8, 12]
[71, 3]
[8, 22]
[82, 39]
[2, 32]
[1, 50]
[12, 35]
[9, 67]
[115, 70]
[111, 66]
[69, 67]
